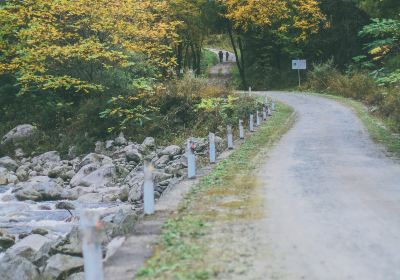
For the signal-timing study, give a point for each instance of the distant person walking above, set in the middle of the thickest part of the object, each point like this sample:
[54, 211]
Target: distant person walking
[221, 56]
[227, 56]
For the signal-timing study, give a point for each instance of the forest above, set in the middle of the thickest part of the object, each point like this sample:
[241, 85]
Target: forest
[85, 70]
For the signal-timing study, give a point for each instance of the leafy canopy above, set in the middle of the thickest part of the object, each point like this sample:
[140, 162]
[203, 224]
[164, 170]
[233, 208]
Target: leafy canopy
[63, 44]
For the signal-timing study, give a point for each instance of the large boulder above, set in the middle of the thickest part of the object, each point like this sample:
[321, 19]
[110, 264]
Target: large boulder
[171, 151]
[15, 267]
[92, 175]
[34, 248]
[177, 167]
[39, 188]
[52, 156]
[148, 145]
[162, 161]
[19, 133]
[8, 163]
[97, 159]
[135, 181]
[120, 140]
[7, 177]
[64, 172]
[132, 153]
[70, 244]
[60, 266]
[6, 242]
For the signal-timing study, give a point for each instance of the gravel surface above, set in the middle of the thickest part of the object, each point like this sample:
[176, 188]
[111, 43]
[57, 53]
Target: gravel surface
[332, 199]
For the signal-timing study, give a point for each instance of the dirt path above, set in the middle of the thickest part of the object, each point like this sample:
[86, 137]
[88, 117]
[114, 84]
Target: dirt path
[221, 72]
[332, 199]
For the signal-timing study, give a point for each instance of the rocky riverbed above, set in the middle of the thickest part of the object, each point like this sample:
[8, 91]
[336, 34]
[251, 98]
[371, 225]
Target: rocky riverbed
[42, 196]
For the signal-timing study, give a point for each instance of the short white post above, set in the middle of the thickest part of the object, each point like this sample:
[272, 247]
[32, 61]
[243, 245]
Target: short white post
[269, 113]
[264, 113]
[148, 189]
[91, 245]
[229, 136]
[249, 90]
[251, 123]
[241, 129]
[258, 121]
[273, 106]
[191, 158]
[211, 142]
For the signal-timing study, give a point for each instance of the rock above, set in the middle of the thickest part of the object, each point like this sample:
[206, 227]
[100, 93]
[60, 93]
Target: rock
[171, 151]
[177, 167]
[220, 144]
[64, 172]
[40, 231]
[60, 266]
[19, 133]
[161, 176]
[8, 163]
[109, 144]
[52, 156]
[65, 205]
[200, 145]
[76, 276]
[162, 161]
[92, 175]
[97, 159]
[19, 153]
[123, 194]
[70, 244]
[99, 147]
[132, 154]
[39, 188]
[22, 173]
[14, 267]
[7, 177]
[148, 145]
[72, 152]
[6, 242]
[34, 247]
[135, 181]
[120, 140]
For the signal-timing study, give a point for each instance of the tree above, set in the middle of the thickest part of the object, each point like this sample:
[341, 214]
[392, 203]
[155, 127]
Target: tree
[67, 45]
[289, 20]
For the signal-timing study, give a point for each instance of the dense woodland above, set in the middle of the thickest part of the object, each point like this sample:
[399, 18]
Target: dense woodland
[84, 70]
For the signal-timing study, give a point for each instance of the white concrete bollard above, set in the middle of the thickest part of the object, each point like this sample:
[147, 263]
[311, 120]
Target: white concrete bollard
[251, 123]
[191, 159]
[241, 129]
[273, 106]
[148, 189]
[264, 114]
[258, 121]
[230, 137]
[249, 90]
[211, 141]
[91, 245]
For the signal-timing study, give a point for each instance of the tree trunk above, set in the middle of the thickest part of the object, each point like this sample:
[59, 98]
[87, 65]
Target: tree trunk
[239, 62]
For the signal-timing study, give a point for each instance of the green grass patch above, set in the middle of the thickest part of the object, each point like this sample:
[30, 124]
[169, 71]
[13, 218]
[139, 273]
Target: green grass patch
[378, 128]
[226, 194]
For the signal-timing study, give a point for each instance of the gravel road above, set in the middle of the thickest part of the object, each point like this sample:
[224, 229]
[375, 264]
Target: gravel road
[332, 199]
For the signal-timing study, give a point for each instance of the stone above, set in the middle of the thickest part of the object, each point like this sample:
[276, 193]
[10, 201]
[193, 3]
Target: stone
[65, 205]
[71, 244]
[19, 153]
[34, 247]
[7, 177]
[76, 276]
[64, 172]
[200, 145]
[60, 266]
[135, 182]
[99, 147]
[22, 173]
[132, 154]
[52, 156]
[175, 167]
[161, 176]
[109, 144]
[8, 163]
[123, 194]
[120, 140]
[171, 151]
[97, 159]
[148, 145]
[72, 152]
[6, 242]
[40, 231]
[162, 161]
[20, 133]
[14, 267]
[39, 188]
[92, 175]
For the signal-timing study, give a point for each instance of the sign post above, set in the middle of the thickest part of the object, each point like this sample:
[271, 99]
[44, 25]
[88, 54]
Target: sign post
[299, 64]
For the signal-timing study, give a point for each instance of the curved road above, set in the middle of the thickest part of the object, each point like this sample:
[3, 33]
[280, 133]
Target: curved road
[332, 198]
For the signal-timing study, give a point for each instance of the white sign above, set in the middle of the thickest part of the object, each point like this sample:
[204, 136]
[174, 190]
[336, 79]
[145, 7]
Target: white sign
[299, 64]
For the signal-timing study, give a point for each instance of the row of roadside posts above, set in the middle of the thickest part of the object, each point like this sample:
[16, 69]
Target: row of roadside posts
[90, 223]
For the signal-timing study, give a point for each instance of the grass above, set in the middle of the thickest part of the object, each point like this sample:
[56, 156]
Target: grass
[226, 194]
[378, 128]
